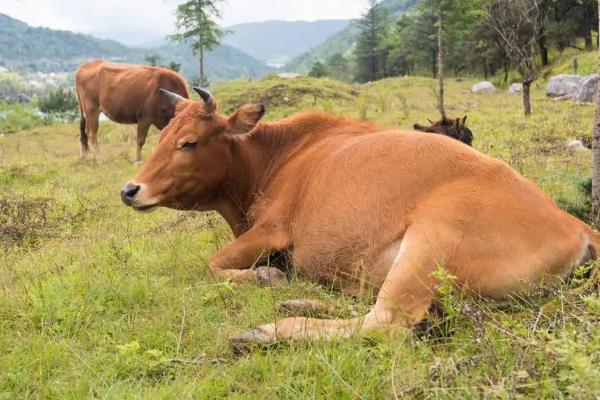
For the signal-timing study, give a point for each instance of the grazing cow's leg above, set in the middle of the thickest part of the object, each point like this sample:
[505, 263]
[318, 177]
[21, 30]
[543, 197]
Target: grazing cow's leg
[235, 259]
[403, 301]
[142, 134]
[92, 117]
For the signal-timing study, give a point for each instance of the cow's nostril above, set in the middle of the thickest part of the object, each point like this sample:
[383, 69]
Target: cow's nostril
[129, 192]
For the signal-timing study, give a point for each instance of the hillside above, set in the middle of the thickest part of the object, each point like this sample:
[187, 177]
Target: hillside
[278, 42]
[342, 41]
[27, 49]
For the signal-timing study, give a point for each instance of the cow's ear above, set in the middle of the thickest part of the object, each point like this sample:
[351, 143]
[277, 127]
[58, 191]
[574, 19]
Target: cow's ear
[464, 121]
[422, 128]
[246, 118]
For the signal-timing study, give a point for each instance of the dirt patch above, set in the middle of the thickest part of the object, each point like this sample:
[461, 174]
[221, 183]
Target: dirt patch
[24, 220]
[275, 93]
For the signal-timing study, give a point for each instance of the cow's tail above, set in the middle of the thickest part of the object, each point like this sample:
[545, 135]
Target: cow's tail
[83, 137]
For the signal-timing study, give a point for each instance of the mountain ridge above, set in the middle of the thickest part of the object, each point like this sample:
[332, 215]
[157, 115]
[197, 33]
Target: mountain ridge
[24, 48]
[277, 42]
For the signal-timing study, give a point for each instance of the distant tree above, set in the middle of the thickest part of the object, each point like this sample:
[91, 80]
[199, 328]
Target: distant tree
[319, 70]
[339, 67]
[517, 23]
[454, 19]
[596, 156]
[173, 66]
[412, 43]
[11, 86]
[370, 50]
[196, 24]
[152, 59]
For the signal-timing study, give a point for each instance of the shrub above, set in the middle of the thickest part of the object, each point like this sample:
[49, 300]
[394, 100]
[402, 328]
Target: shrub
[319, 70]
[18, 117]
[59, 101]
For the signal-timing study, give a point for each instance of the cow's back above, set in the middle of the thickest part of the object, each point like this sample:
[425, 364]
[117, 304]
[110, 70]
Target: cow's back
[126, 93]
[354, 197]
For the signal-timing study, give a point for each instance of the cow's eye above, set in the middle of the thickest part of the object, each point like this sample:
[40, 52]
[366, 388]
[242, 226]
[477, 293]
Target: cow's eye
[187, 145]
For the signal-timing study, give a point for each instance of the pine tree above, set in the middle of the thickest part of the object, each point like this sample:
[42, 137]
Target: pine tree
[196, 24]
[370, 50]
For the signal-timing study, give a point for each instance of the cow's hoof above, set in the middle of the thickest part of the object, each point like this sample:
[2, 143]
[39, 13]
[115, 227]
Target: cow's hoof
[272, 277]
[306, 308]
[260, 337]
[137, 163]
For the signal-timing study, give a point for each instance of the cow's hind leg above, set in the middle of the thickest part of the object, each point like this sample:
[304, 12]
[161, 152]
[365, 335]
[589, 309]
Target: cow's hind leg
[142, 134]
[92, 121]
[403, 301]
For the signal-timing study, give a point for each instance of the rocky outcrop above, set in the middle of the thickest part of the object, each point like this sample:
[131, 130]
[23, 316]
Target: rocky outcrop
[483, 87]
[587, 90]
[563, 85]
[515, 89]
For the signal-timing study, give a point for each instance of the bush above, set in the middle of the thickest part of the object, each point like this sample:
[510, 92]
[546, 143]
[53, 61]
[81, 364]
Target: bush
[319, 70]
[18, 117]
[59, 101]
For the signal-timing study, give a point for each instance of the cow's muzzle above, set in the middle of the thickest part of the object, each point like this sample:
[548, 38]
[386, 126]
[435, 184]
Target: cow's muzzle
[129, 192]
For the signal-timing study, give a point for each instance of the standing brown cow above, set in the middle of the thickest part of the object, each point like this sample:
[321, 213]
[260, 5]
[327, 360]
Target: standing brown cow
[354, 203]
[127, 94]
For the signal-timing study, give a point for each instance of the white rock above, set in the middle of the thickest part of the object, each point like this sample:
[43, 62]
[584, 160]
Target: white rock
[483, 87]
[577, 145]
[515, 89]
[587, 90]
[562, 85]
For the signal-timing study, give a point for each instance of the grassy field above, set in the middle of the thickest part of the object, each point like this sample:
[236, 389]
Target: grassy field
[97, 301]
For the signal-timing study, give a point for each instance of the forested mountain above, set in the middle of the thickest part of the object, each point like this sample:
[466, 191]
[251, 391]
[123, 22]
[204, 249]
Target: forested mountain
[27, 49]
[278, 42]
[343, 41]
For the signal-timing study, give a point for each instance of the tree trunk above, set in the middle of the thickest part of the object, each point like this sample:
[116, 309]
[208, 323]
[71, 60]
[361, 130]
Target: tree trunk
[596, 157]
[434, 65]
[543, 51]
[440, 62]
[201, 84]
[527, 98]
[505, 72]
[589, 43]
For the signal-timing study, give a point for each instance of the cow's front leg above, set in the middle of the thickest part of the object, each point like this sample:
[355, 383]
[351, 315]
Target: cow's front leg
[235, 260]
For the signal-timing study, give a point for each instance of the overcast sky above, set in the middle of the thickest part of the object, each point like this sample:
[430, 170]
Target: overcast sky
[143, 21]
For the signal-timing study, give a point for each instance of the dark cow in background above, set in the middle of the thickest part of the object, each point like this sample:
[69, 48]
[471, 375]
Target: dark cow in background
[127, 94]
[454, 128]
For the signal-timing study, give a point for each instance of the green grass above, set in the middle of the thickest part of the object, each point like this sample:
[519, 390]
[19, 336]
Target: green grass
[97, 301]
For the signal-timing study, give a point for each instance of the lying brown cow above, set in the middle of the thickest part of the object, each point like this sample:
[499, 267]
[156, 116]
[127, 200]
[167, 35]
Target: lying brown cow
[127, 94]
[454, 128]
[354, 203]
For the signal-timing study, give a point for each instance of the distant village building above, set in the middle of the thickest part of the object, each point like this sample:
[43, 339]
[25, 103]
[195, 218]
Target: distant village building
[3, 70]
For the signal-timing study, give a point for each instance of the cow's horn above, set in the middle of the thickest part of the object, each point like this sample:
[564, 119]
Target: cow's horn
[207, 98]
[173, 98]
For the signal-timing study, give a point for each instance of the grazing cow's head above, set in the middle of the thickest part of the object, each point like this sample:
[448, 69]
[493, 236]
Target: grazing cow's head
[454, 128]
[193, 155]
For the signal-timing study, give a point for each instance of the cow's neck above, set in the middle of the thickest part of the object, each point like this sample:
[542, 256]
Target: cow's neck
[256, 159]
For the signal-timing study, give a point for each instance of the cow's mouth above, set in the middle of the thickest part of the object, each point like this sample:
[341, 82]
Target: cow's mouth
[145, 209]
